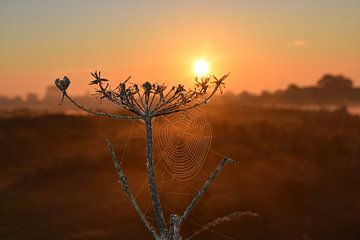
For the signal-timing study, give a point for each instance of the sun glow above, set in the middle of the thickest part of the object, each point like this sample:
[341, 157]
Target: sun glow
[201, 67]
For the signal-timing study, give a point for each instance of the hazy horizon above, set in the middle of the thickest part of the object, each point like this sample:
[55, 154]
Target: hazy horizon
[88, 90]
[265, 45]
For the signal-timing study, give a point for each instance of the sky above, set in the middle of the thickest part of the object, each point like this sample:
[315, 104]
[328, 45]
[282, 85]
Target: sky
[264, 44]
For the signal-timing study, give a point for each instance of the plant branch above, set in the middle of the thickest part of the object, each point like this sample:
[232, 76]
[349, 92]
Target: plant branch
[125, 186]
[231, 217]
[174, 229]
[109, 96]
[159, 214]
[205, 187]
[218, 85]
[97, 113]
[162, 100]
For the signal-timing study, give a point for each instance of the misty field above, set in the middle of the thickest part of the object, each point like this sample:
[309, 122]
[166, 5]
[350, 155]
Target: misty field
[299, 170]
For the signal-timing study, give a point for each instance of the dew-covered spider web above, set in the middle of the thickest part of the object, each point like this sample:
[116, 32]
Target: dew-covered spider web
[182, 142]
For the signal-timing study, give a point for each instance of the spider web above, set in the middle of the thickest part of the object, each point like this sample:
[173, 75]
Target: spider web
[182, 142]
[194, 124]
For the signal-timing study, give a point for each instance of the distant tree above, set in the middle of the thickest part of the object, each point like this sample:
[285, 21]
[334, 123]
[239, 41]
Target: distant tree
[51, 94]
[245, 94]
[293, 88]
[4, 100]
[32, 98]
[337, 82]
[17, 100]
[293, 94]
[265, 93]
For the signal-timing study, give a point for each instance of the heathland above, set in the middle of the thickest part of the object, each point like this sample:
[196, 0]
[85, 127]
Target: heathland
[298, 169]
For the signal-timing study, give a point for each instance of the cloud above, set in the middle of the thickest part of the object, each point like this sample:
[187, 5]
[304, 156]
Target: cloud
[299, 43]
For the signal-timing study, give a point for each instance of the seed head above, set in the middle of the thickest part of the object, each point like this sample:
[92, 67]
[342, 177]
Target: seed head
[62, 84]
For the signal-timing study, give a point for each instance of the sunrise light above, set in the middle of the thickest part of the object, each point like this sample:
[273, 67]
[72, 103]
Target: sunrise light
[201, 67]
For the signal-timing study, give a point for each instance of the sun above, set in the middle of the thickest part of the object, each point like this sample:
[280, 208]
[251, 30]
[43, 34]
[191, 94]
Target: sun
[201, 68]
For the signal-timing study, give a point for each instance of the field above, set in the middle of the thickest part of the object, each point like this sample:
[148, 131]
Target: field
[299, 170]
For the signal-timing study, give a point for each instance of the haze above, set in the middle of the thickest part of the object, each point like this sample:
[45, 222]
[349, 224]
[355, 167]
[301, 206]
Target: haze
[264, 44]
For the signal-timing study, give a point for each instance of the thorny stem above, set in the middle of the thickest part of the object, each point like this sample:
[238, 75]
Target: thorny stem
[159, 215]
[125, 186]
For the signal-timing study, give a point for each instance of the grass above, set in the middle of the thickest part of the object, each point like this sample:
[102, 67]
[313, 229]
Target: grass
[298, 169]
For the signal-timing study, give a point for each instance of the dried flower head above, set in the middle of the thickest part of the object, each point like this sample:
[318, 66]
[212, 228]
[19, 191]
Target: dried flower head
[151, 100]
[147, 102]
[62, 84]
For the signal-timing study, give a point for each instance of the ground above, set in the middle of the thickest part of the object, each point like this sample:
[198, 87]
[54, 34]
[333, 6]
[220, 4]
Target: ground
[298, 169]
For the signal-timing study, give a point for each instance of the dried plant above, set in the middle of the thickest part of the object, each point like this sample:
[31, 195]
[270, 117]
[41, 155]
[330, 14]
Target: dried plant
[144, 103]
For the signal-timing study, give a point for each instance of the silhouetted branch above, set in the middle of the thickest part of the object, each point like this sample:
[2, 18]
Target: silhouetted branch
[122, 98]
[109, 95]
[174, 229]
[142, 104]
[125, 186]
[220, 220]
[205, 187]
[218, 84]
[147, 102]
[63, 85]
[97, 113]
[155, 200]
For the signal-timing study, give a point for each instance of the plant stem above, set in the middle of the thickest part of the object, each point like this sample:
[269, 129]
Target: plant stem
[159, 215]
[125, 185]
[231, 217]
[174, 229]
[205, 187]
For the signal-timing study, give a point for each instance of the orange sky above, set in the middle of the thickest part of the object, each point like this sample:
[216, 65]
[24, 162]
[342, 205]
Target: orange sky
[263, 45]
